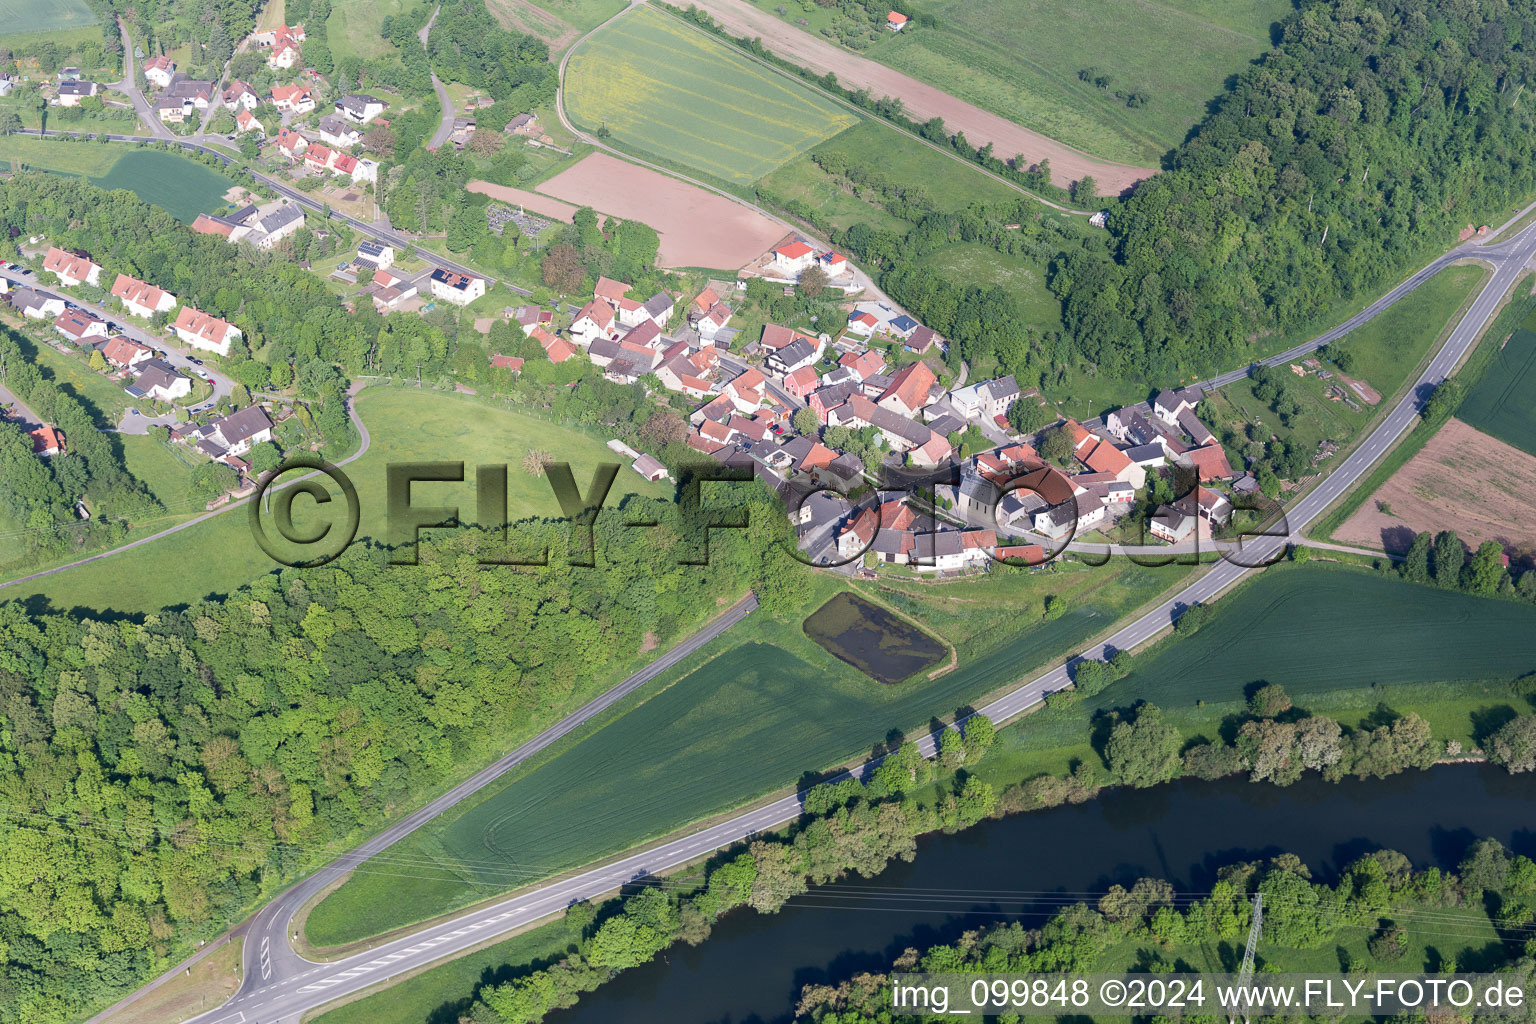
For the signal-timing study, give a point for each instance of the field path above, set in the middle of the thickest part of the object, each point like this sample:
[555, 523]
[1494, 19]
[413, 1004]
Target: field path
[922, 101]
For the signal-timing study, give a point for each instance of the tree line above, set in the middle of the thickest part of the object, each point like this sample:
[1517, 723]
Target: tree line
[1379, 893]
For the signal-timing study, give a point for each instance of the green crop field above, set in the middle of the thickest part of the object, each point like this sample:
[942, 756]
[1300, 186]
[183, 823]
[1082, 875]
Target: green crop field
[407, 426]
[178, 186]
[1318, 628]
[1503, 401]
[33, 16]
[1021, 59]
[668, 90]
[764, 702]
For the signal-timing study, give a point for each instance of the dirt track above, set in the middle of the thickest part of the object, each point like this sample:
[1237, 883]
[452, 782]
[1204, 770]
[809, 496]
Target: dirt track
[1462, 480]
[922, 101]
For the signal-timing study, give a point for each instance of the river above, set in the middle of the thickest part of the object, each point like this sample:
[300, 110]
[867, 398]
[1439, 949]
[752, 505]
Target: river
[751, 969]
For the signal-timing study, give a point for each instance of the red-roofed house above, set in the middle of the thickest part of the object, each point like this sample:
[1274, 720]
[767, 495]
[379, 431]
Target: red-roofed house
[558, 349]
[595, 320]
[857, 534]
[862, 322]
[746, 391]
[776, 337]
[284, 55]
[1080, 436]
[71, 268]
[205, 331]
[245, 121]
[896, 21]
[79, 326]
[296, 98]
[1028, 554]
[125, 352]
[794, 257]
[909, 390]
[864, 364]
[291, 144]
[1210, 462]
[513, 363]
[206, 225]
[47, 441]
[140, 298]
[1106, 458]
[158, 71]
[801, 382]
[609, 290]
[704, 300]
[834, 263]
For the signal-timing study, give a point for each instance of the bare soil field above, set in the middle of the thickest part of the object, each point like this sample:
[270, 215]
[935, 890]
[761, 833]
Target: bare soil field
[922, 101]
[522, 197]
[1462, 480]
[697, 228]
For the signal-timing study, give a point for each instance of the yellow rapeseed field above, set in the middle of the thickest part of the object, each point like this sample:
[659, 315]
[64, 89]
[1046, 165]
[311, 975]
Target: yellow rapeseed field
[665, 89]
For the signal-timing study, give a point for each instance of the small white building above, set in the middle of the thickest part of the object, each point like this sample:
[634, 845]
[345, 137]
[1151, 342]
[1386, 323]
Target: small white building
[205, 331]
[794, 257]
[459, 289]
[158, 71]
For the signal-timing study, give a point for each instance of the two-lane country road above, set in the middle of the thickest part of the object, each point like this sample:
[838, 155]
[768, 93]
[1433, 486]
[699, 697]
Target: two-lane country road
[293, 985]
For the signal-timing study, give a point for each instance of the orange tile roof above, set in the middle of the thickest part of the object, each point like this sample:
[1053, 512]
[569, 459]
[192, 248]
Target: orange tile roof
[1106, 458]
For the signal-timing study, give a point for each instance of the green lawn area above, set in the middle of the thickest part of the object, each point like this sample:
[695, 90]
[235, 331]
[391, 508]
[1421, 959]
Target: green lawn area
[978, 264]
[951, 184]
[75, 374]
[583, 14]
[746, 716]
[37, 16]
[1342, 640]
[92, 159]
[181, 187]
[407, 426]
[1021, 59]
[663, 88]
[177, 185]
[164, 469]
[1502, 401]
[353, 27]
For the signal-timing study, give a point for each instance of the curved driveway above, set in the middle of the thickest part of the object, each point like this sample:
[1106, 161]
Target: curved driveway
[281, 985]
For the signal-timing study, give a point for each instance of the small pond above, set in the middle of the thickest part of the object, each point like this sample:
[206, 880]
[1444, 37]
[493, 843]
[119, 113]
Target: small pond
[877, 642]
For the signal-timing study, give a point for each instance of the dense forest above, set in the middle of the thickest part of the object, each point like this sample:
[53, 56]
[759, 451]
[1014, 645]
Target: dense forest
[1367, 138]
[1379, 894]
[1372, 133]
[160, 777]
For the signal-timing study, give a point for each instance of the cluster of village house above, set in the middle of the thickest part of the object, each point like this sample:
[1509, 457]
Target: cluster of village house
[142, 371]
[747, 397]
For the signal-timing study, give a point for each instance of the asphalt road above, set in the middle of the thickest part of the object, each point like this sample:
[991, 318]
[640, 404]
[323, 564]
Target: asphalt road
[280, 985]
[445, 121]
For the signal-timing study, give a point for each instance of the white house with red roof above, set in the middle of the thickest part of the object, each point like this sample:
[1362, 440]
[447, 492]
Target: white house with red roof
[594, 320]
[245, 121]
[72, 268]
[291, 144]
[125, 353]
[141, 298]
[298, 99]
[284, 56]
[241, 95]
[453, 287]
[834, 263]
[793, 257]
[78, 326]
[204, 330]
[896, 21]
[158, 71]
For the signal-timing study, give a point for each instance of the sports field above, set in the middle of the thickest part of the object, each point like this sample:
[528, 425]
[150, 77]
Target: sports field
[178, 186]
[747, 715]
[1503, 401]
[407, 426]
[664, 89]
[1022, 58]
[31, 16]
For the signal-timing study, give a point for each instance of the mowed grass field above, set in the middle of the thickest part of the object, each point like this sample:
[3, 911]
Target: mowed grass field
[353, 27]
[951, 184]
[1503, 401]
[216, 556]
[178, 186]
[32, 16]
[181, 187]
[746, 716]
[664, 89]
[1021, 58]
[984, 266]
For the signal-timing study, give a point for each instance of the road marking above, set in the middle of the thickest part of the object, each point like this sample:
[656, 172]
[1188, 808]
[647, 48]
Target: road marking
[266, 958]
